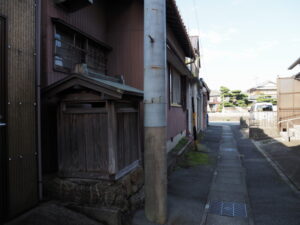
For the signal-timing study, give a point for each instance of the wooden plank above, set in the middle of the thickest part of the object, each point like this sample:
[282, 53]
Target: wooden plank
[85, 175]
[112, 139]
[127, 169]
[96, 135]
[128, 138]
[83, 142]
[70, 83]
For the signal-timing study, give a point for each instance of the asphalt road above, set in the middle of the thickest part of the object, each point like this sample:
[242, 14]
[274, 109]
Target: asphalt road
[272, 200]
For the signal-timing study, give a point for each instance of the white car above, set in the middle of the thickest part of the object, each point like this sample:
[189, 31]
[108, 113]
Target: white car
[262, 107]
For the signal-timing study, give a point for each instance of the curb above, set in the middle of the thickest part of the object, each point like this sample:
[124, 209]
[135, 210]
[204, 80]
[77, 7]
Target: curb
[184, 148]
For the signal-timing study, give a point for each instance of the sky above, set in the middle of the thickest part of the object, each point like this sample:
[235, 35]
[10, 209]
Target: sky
[244, 42]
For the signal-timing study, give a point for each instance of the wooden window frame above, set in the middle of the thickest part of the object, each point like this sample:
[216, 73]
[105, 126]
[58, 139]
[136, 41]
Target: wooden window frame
[55, 39]
[104, 50]
[171, 91]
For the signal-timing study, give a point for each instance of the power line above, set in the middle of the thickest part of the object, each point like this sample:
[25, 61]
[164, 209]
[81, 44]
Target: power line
[198, 31]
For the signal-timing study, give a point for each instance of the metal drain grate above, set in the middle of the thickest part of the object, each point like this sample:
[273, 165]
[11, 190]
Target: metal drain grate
[228, 208]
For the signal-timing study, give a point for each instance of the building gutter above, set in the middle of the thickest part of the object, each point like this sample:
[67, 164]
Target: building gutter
[294, 64]
[38, 92]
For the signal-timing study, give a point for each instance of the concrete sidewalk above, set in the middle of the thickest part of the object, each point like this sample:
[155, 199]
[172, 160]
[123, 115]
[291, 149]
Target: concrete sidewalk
[188, 187]
[228, 201]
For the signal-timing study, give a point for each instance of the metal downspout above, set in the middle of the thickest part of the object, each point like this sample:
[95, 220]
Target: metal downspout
[38, 92]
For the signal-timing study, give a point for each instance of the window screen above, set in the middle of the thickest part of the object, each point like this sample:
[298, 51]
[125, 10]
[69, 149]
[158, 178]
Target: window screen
[72, 48]
[176, 96]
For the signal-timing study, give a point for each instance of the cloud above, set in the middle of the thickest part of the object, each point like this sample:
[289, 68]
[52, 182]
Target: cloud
[215, 37]
[216, 52]
[211, 55]
[295, 41]
[238, 2]
[264, 45]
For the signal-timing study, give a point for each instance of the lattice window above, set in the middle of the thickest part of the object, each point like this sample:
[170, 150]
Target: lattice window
[96, 58]
[72, 48]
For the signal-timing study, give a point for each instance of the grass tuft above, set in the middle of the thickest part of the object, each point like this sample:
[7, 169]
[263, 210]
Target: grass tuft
[183, 141]
[194, 158]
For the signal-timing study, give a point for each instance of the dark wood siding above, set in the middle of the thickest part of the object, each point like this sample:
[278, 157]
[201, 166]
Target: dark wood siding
[82, 143]
[125, 33]
[21, 120]
[91, 20]
[128, 136]
[118, 25]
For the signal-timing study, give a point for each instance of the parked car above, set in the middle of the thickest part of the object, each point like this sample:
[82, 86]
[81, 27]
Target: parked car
[262, 107]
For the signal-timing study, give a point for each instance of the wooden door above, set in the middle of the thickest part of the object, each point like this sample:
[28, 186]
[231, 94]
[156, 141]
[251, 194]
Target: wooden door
[3, 150]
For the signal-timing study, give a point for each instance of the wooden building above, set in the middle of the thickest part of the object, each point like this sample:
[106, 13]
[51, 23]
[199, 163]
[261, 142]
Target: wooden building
[198, 94]
[205, 93]
[91, 95]
[90, 130]
[18, 105]
[179, 50]
[97, 121]
[115, 36]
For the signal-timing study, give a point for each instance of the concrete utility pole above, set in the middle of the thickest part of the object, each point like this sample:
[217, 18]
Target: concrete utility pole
[155, 71]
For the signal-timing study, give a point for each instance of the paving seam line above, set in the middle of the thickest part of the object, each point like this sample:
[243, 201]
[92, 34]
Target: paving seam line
[247, 199]
[278, 169]
[207, 205]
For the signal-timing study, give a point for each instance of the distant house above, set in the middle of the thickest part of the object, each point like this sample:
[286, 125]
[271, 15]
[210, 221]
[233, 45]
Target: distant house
[197, 93]
[203, 105]
[268, 88]
[214, 101]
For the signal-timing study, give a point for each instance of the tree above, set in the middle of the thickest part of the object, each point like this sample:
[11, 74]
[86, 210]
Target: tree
[266, 98]
[228, 104]
[224, 91]
[233, 98]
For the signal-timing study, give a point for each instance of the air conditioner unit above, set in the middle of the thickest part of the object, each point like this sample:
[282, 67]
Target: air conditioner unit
[73, 5]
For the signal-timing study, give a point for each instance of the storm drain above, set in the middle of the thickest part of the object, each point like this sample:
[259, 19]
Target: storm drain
[233, 209]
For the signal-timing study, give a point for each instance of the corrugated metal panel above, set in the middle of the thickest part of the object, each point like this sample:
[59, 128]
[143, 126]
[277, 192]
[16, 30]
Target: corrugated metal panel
[2, 118]
[22, 172]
